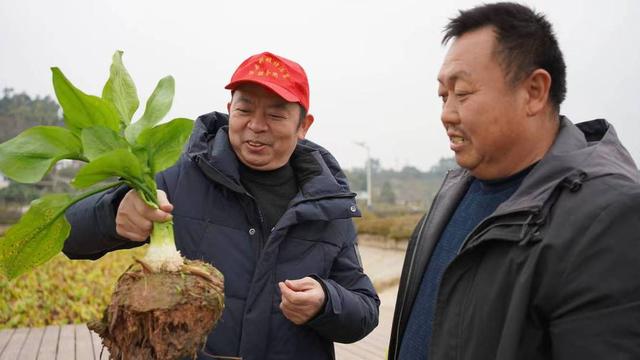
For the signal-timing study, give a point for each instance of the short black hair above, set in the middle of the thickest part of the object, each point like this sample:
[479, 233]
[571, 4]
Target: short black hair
[525, 42]
[303, 114]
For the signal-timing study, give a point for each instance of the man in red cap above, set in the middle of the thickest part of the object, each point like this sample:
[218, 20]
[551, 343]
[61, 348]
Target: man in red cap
[268, 208]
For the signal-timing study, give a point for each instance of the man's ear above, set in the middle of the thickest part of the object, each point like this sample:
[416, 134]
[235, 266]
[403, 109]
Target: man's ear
[537, 86]
[305, 124]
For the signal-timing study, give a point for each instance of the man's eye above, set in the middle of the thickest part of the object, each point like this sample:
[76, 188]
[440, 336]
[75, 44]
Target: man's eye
[276, 116]
[443, 98]
[244, 111]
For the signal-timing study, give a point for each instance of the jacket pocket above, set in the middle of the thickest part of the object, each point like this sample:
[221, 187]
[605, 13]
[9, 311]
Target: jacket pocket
[299, 258]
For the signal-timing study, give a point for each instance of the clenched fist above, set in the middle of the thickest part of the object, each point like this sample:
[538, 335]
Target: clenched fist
[134, 219]
[302, 299]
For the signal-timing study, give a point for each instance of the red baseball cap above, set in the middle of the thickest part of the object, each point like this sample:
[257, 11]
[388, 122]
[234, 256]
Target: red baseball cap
[282, 76]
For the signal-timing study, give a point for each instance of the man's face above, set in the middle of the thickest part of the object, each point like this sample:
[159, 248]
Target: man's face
[484, 116]
[263, 127]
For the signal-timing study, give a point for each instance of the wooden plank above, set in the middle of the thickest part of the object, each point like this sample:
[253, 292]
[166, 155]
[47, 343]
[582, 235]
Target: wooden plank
[49, 343]
[66, 343]
[84, 347]
[5, 336]
[97, 347]
[12, 350]
[32, 344]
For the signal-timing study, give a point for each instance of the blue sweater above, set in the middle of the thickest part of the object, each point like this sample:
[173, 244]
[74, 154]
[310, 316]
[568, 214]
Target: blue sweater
[480, 201]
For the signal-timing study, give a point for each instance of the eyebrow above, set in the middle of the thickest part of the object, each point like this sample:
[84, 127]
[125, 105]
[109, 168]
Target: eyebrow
[460, 74]
[279, 105]
[244, 99]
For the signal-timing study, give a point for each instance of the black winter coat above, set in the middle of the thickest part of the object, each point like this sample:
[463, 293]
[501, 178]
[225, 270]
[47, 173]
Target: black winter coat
[216, 220]
[553, 273]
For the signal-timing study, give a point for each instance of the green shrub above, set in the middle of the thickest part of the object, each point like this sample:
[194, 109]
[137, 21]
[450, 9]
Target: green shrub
[62, 291]
[395, 227]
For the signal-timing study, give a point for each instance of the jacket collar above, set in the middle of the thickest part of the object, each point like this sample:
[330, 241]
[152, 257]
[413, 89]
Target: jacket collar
[318, 173]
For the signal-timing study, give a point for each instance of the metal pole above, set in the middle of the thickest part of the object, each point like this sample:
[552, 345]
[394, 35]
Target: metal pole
[369, 189]
[368, 171]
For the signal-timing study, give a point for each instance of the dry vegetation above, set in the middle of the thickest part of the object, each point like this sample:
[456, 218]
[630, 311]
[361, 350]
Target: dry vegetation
[397, 226]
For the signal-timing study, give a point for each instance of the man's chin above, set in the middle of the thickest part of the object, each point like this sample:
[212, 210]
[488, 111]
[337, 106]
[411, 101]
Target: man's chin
[259, 164]
[462, 161]
[255, 163]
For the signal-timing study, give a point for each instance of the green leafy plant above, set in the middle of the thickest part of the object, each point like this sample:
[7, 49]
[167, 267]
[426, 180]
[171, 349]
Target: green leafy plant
[99, 132]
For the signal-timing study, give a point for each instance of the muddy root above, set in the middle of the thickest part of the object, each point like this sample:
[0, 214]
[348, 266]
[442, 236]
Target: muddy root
[163, 316]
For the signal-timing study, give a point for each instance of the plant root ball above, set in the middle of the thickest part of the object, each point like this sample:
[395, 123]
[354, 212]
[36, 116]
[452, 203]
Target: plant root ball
[163, 315]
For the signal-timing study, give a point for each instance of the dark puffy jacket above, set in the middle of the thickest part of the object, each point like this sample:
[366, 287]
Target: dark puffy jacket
[553, 273]
[216, 220]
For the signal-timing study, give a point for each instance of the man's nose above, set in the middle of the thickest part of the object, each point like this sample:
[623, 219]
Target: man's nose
[258, 122]
[449, 115]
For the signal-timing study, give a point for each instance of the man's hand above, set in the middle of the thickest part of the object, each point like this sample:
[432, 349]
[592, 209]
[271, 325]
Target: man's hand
[135, 218]
[302, 299]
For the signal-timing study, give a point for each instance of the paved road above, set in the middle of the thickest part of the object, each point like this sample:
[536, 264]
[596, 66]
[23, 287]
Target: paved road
[383, 267]
[374, 346]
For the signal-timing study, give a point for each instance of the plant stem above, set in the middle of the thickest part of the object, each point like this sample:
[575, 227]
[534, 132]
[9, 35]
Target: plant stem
[162, 234]
[162, 254]
[147, 195]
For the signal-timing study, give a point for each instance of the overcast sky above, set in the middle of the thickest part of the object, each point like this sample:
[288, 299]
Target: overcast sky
[372, 65]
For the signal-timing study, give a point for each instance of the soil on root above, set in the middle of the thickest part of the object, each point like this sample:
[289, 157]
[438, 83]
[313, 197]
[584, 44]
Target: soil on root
[163, 316]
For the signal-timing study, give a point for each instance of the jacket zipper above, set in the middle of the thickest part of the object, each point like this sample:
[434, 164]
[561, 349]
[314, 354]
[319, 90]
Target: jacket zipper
[419, 236]
[261, 239]
[472, 235]
[413, 257]
[532, 210]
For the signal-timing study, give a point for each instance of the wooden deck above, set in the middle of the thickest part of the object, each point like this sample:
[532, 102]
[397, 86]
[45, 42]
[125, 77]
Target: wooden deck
[69, 342]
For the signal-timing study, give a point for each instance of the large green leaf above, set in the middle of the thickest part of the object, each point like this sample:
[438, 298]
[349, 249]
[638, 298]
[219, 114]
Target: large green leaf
[158, 105]
[29, 156]
[82, 110]
[165, 142]
[37, 237]
[117, 163]
[121, 90]
[99, 140]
